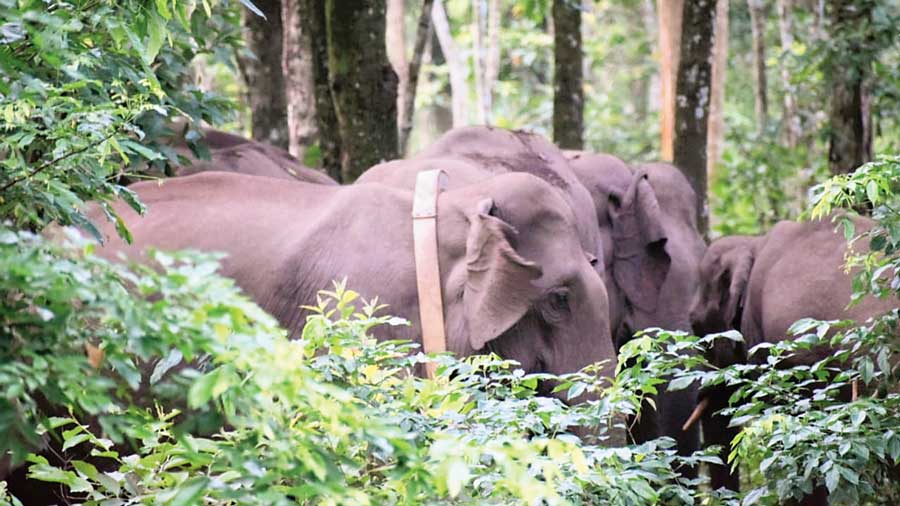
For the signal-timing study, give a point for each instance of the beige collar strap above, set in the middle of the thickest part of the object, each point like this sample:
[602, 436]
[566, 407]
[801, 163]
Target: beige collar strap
[429, 184]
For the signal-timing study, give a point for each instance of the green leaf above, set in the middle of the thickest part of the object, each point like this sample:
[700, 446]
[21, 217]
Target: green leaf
[202, 390]
[254, 9]
[680, 383]
[849, 228]
[872, 191]
[163, 366]
[457, 476]
[162, 7]
[156, 30]
[75, 440]
[832, 479]
[86, 469]
[190, 492]
[144, 151]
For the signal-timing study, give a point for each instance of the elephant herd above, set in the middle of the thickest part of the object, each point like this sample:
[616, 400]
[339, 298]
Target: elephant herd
[551, 258]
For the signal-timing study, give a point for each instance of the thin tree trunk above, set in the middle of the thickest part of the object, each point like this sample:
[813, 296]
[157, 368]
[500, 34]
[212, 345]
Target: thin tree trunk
[850, 135]
[791, 120]
[313, 18]
[492, 59]
[692, 107]
[568, 89]
[436, 117]
[263, 74]
[363, 84]
[716, 131]
[459, 89]
[670, 13]
[645, 89]
[407, 102]
[395, 39]
[297, 64]
[758, 27]
[484, 107]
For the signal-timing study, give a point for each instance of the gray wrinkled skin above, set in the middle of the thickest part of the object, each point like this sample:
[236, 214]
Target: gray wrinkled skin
[653, 248]
[475, 153]
[506, 249]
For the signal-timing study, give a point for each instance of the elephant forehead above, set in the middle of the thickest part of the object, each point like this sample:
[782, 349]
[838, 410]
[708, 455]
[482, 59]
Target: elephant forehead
[532, 202]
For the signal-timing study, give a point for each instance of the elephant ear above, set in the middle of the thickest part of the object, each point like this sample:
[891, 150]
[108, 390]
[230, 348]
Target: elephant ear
[732, 278]
[498, 289]
[640, 260]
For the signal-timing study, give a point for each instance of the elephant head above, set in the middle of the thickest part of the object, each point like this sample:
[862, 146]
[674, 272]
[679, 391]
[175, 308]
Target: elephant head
[498, 151]
[522, 286]
[635, 241]
[652, 247]
[725, 272]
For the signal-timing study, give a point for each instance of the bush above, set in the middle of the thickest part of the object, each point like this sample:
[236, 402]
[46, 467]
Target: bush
[86, 88]
[334, 417]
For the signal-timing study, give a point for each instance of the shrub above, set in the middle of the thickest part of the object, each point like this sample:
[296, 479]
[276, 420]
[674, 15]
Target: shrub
[335, 417]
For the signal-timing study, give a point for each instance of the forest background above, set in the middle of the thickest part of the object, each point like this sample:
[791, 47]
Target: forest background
[84, 86]
[797, 89]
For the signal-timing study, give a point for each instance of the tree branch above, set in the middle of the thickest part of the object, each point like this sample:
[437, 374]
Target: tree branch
[423, 31]
[55, 161]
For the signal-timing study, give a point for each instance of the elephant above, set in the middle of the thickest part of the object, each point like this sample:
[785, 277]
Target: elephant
[760, 286]
[257, 159]
[232, 153]
[632, 245]
[514, 277]
[475, 153]
[653, 248]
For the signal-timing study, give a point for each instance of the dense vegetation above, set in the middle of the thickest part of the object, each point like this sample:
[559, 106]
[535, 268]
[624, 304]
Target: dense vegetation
[245, 416]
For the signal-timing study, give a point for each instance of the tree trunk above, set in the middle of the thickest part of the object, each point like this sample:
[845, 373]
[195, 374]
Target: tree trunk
[313, 17]
[716, 131]
[758, 27]
[791, 120]
[692, 107]
[407, 96]
[263, 75]
[492, 59]
[297, 65]
[645, 89]
[459, 89]
[670, 13]
[850, 136]
[436, 117]
[568, 90]
[363, 84]
[483, 108]
[395, 39]
[486, 54]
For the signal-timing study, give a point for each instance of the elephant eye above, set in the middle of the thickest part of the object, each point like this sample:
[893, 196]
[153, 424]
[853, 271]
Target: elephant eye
[559, 300]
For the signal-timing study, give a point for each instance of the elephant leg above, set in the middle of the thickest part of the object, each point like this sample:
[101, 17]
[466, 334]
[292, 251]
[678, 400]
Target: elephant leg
[717, 432]
[674, 410]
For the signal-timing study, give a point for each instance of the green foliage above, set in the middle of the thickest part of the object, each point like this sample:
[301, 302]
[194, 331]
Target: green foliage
[798, 431]
[83, 88]
[759, 181]
[60, 301]
[335, 417]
